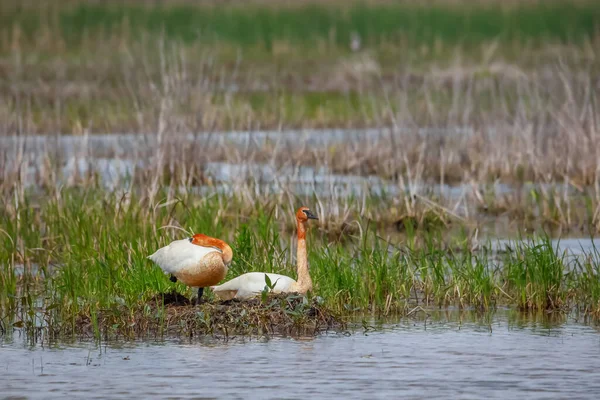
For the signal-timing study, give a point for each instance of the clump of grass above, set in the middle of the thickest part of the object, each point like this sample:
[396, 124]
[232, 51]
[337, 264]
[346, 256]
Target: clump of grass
[586, 277]
[537, 276]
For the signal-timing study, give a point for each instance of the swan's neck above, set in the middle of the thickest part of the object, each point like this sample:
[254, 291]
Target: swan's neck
[304, 283]
[227, 254]
[207, 241]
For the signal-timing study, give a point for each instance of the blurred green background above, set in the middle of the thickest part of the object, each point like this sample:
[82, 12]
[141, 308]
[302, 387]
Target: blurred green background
[88, 65]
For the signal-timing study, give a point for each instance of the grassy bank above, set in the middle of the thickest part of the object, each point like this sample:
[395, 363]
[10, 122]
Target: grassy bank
[80, 258]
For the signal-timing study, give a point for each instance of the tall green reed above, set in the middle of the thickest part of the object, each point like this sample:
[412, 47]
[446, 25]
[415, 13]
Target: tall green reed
[537, 276]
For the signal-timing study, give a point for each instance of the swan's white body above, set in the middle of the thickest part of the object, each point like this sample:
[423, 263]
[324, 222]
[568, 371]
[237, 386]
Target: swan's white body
[199, 261]
[250, 284]
[180, 255]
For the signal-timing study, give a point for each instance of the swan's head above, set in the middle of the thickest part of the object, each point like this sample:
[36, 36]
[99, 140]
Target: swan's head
[304, 214]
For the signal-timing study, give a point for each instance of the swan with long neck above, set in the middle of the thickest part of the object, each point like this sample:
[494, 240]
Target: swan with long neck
[198, 261]
[250, 284]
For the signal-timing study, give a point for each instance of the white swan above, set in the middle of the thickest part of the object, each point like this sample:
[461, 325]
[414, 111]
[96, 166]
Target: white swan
[198, 261]
[250, 284]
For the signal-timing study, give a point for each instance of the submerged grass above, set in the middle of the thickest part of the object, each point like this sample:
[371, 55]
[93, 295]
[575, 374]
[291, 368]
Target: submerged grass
[75, 263]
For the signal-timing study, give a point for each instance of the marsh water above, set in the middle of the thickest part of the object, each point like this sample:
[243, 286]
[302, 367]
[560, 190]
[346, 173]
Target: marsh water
[115, 158]
[436, 355]
[447, 354]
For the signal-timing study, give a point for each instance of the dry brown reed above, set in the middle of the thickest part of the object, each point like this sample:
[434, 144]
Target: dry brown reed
[535, 131]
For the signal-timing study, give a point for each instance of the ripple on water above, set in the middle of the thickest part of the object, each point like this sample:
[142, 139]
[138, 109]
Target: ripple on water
[409, 359]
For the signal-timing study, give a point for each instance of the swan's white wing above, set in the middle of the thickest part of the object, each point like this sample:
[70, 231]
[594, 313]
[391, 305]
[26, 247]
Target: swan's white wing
[179, 255]
[252, 283]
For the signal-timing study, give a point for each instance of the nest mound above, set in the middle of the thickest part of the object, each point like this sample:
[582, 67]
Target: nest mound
[172, 314]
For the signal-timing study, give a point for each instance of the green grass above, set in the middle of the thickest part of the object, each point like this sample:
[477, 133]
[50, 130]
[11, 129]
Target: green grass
[84, 256]
[263, 26]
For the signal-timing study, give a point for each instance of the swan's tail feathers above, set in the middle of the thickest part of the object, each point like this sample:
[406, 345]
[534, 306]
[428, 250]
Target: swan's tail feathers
[152, 256]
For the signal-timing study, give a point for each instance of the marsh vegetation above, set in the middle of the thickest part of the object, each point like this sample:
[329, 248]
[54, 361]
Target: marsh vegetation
[476, 130]
[80, 257]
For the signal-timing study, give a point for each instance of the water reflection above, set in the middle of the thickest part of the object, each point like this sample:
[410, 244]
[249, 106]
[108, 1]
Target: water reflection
[433, 354]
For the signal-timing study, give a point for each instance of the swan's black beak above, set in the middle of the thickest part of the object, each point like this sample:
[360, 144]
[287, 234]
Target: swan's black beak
[310, 215]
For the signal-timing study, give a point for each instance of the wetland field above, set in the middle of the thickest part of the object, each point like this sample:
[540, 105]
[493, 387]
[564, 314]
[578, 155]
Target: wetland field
[450, 149]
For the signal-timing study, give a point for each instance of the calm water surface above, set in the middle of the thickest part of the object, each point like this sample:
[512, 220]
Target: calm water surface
[414, 359]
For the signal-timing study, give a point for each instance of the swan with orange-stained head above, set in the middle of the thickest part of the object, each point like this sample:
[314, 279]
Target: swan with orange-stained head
[198, 261]
[250, 284]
